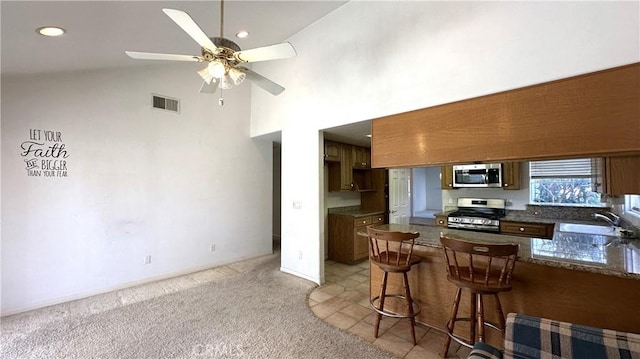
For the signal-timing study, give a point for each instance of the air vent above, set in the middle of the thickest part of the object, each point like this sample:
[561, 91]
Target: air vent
[166, 103]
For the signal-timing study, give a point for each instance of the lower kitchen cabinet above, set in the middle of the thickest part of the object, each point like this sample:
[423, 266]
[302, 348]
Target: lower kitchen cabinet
[345, 245]
[527, 229]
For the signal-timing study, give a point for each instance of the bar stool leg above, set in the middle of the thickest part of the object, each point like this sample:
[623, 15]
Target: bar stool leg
[383, 292]
[473, 311]
[480, 319]
[452, 322]
[501, 321]
[410, 307]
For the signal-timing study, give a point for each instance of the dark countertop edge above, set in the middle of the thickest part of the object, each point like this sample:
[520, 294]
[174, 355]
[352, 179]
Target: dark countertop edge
[357, 214]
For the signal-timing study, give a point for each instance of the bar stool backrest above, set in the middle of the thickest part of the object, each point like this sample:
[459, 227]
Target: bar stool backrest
[392, 251]
[484, 268]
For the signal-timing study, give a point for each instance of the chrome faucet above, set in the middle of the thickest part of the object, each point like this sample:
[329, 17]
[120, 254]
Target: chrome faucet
[615, 222]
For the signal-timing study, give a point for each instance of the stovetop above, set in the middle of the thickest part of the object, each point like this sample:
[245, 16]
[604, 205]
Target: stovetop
[475, 212]
[480, 208]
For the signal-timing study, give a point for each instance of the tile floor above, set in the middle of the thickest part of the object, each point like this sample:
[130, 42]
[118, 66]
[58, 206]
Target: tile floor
[343, 301]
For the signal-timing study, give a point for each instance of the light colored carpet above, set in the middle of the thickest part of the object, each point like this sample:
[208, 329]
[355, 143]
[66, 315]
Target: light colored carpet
[259, 312]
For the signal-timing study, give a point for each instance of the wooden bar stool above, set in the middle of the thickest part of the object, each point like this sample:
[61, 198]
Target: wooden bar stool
[482, 269]
[392, 253]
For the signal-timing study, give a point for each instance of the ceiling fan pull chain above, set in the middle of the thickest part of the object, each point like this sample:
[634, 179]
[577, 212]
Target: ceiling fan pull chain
[221, 100]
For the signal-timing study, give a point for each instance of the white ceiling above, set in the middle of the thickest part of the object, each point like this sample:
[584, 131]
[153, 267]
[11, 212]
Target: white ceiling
[98, 33]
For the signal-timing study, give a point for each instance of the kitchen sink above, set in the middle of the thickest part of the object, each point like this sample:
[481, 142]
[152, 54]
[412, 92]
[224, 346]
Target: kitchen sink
[587, 229]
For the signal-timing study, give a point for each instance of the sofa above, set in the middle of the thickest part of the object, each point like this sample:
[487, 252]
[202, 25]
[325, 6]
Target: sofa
[529, 337]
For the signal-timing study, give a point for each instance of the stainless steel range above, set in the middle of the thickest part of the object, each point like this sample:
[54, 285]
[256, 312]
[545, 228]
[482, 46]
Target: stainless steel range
[477, 214]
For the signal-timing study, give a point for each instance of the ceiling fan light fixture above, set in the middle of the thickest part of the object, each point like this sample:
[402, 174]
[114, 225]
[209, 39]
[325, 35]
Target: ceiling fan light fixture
[242, 34]
[216, 69]
[237, 76]
[206, 75]
[226, 83]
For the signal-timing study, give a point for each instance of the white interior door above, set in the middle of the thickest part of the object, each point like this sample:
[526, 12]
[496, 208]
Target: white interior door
[399, 195]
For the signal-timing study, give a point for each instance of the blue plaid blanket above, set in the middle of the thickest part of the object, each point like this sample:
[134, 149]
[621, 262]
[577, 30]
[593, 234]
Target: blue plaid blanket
[539, 338]
[484, 351]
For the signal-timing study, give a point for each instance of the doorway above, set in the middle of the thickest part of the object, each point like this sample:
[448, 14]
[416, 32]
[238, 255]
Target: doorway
[426, 196]
[277, 200]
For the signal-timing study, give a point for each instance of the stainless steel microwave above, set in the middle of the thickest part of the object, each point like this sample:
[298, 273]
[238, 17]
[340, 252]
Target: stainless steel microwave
[478, 175]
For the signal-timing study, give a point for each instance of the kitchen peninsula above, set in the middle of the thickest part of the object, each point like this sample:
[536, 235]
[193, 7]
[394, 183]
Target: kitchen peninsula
[578, 278]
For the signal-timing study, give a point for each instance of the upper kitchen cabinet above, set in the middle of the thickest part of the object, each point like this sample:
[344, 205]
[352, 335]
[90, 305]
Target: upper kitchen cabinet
[446, 177]
[341, 173]
[352, 171]
[361, 157]
[511, 175]
[332, 151]
[616, 175]
[594, 114]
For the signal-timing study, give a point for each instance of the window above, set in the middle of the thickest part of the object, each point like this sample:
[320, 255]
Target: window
[632, 204]
[563, 182]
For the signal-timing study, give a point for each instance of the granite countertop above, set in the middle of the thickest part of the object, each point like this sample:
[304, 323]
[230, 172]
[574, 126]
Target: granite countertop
[575, 251]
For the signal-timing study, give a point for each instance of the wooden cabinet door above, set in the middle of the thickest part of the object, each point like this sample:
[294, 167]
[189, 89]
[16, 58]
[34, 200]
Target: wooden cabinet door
[511, 175]
[441, 221]
[598, 179]
[332, 151]
[360, 244]
[622, 175]
[446, 177]
[361, 157]
[346, 168]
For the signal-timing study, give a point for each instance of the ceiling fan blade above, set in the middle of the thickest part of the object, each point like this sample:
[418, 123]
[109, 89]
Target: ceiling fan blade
[156, 56]
[190, 27]
[266, 84]
[209, 88]
[278, 51]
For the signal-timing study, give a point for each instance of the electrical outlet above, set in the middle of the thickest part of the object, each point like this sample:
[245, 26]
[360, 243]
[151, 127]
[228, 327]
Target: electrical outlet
[147, 259]
[299, 255]
[297, 205]
[212, 248]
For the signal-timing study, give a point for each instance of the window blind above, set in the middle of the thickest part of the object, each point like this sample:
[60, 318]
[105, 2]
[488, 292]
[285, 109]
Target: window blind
[574, 168]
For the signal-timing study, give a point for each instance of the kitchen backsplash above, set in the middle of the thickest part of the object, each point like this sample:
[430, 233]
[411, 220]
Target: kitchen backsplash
[561, 212]
[343, 209]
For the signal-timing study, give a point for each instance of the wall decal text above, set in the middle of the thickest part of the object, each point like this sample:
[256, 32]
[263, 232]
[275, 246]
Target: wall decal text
[45, 154]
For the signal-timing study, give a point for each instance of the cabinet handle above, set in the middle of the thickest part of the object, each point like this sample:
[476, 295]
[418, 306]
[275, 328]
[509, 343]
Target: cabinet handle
[506, 185]
[521, 229]
[450, 185]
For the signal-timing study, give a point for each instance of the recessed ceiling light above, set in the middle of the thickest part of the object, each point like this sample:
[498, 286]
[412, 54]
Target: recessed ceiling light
[242, 34]
[50, 31]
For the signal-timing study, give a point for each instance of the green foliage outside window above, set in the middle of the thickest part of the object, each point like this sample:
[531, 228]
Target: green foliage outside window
[563, 191]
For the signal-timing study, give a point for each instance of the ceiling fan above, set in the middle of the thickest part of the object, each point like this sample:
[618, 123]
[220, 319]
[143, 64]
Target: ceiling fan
[224, 57]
